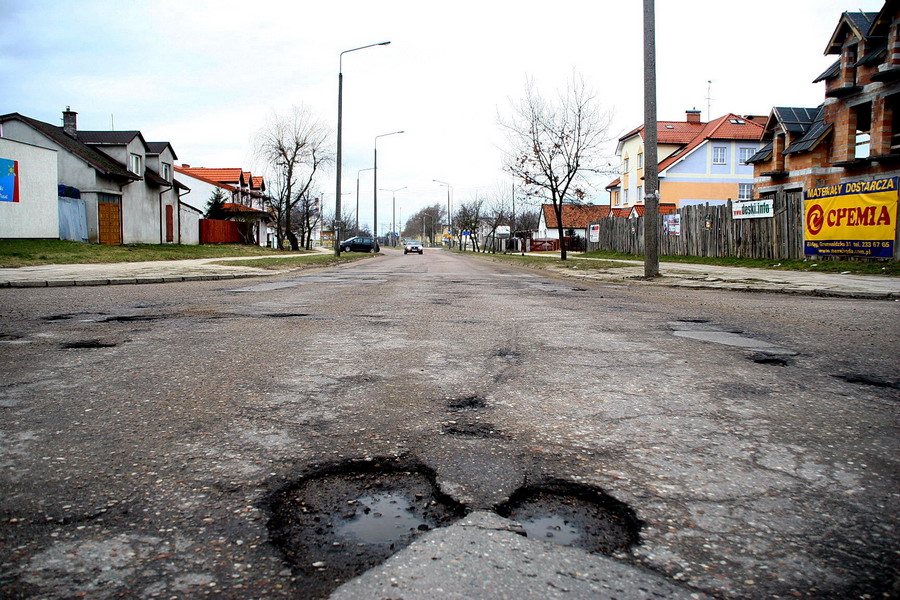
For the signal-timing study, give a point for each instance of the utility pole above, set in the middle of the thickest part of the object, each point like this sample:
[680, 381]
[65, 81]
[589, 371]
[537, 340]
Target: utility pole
[651, 161]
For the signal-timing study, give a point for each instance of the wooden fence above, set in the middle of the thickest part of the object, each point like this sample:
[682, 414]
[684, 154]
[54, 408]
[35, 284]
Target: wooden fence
[214, 231]
[711, 231]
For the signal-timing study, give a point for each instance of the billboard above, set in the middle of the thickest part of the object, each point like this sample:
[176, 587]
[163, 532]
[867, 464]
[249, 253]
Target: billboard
[9, 180]
[671, 224]
[855, 219]
[595, 232]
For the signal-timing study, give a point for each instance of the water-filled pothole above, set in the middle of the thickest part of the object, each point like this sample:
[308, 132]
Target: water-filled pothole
[343, 519]
[572, 514]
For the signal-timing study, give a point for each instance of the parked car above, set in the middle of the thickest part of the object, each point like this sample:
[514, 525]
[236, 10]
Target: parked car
[360, 244]
[412, 246]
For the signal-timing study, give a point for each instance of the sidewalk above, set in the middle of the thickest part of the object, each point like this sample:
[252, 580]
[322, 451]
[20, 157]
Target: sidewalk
[701, 276]
[673, 275]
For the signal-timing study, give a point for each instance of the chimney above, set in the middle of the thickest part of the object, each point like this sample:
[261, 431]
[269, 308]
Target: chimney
[693, 116]
[69, 120]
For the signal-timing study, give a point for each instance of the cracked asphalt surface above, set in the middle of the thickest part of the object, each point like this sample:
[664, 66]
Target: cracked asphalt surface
[144, 427]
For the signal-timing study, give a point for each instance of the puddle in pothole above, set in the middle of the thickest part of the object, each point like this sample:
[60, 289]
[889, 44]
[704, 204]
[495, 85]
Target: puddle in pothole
[571, 514]
[344, 519]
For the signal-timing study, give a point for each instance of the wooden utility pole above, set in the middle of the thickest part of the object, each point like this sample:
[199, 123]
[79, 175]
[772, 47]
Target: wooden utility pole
[651, 162]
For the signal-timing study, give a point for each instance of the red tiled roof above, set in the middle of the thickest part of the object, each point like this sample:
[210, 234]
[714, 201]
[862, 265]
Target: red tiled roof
[614, 183]
[719, 129]
[232, 176]
[258, 183]
[575, 215]
[670, 132]
[620, 213]
[198, 173]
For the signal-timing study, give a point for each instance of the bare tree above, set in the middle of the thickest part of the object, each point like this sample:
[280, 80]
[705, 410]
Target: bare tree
[296, 147]
[306, 218]
[425, 223]
[555, 146]
[497, 211]
[468, 218]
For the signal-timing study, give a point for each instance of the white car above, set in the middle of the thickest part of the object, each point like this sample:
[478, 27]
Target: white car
[412, 246]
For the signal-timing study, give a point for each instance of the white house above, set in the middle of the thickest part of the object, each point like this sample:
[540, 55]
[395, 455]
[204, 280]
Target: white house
[127, 200]
[28, 191]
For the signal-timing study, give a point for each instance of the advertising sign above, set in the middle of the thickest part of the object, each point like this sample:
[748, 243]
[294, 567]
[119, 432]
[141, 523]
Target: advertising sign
[9, 180]
[856, 218]
[595, 232]
[671, 224]
[753, 209]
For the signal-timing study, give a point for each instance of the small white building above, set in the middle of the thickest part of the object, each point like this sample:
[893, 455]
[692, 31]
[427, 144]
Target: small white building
[28, 191]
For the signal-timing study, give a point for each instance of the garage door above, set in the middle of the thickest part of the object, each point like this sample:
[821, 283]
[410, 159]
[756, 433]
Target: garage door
[110, 219]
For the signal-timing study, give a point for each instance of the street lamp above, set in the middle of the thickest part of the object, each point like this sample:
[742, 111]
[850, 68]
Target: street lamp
[394, 215]
[375, 174]
[449, 214]
[337, 192]
[357, 196]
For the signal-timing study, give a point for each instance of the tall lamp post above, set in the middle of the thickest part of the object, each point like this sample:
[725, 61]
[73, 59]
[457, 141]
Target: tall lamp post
[394, 215]
[375, 174]
[449, 214]
[337, 191]
[357, 196]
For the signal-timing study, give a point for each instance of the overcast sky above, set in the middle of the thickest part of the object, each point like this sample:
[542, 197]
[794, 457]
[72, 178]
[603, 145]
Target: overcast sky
[205, 74]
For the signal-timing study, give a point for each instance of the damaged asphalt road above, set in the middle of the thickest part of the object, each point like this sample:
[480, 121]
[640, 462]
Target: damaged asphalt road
[148, 432]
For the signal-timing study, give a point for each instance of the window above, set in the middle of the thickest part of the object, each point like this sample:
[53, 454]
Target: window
[862, 139]
[640, 193]
[626, 164]
[746, 153]
[136, 164]
[167, 171]
[745, 192]
[719, 154]
[641, 160]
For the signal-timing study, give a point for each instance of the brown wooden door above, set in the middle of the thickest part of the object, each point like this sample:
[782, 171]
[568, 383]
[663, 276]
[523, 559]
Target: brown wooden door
[170, 223]
[110, 219]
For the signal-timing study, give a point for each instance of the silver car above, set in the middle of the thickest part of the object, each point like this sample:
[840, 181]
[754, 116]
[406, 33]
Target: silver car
[412, 246]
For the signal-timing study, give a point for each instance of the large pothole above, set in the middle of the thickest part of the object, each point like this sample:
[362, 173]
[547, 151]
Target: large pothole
[343, 519]
[572, 514]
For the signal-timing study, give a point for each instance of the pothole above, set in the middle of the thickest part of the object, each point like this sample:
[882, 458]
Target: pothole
[476, 429]
[507, 353]
[346, 518]
[466, 403]
[767, 359]
[284, 315]
[572, 514]
[869, 380]
[87, 344]
[128, 318]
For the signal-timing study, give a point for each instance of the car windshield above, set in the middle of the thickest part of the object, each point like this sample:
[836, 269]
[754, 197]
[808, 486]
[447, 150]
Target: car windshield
[413, 242]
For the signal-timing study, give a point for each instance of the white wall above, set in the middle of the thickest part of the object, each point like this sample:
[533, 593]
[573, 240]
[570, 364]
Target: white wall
[189, 223]
[36, 215]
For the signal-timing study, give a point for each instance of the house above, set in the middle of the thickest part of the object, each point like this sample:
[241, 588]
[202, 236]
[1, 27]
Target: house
[698, 162]
[117, 174]
[638, 211]
[28, 191]
[576, 217]
[244, 196]
[852, 135]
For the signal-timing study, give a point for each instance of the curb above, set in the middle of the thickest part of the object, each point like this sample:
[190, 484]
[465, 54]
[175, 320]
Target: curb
[127, 281]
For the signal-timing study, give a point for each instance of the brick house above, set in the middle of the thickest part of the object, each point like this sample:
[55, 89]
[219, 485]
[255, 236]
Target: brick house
[852, 135]
[577, 217]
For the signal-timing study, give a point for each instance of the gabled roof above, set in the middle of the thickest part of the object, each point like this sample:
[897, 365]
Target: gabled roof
[198, 173]
[670, 132]
[614, 183]
[792, 120]
[577, 216]
[620, 213]
[258, 184]
[815, 133]
[153, 178]
[857, 23]
[160, 147]
[100, 161]
[726, 127]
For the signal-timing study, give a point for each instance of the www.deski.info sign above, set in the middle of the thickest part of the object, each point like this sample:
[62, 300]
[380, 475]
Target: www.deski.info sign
[855, 218]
